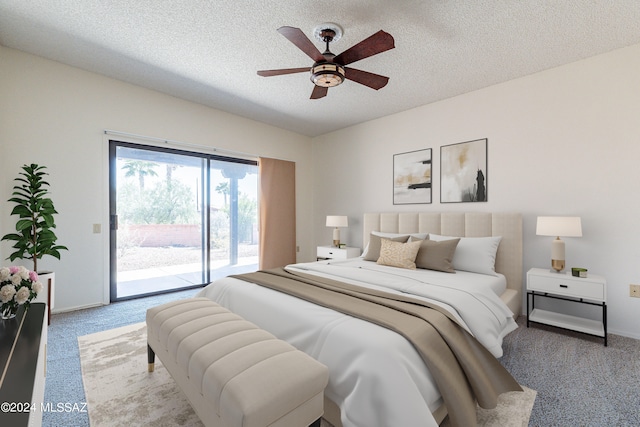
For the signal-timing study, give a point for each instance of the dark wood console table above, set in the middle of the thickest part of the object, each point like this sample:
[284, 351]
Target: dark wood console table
[22, 366]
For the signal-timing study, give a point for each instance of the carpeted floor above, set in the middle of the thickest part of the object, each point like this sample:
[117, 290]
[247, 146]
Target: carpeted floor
[579, 382]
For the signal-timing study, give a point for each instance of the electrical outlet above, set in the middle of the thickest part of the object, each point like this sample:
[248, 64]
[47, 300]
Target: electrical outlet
[634, 291]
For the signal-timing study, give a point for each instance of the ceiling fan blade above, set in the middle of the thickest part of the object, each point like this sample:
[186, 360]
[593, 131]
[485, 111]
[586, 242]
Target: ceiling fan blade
[297, 37]
[269, 73]
[377, 43]
[374, 81]
[319, 92]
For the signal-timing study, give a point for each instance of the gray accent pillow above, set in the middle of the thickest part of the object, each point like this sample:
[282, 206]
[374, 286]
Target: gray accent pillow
[437, 256]
[373, 248]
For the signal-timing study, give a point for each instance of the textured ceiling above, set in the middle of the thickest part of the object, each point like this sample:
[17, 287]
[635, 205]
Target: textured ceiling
[209, 51]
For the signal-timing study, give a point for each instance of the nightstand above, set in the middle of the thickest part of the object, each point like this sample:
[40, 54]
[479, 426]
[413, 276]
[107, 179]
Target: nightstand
[331, 252]
[591, 290]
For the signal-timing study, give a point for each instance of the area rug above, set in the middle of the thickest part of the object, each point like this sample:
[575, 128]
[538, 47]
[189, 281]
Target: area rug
[119, 390]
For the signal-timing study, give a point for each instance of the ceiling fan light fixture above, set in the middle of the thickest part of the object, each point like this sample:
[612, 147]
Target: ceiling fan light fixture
[328, 69]
[327, 74]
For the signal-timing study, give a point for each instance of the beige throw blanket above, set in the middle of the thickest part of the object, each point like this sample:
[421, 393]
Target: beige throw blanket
[463, 369]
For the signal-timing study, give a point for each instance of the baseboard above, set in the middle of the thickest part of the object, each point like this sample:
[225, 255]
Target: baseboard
[627, 334]
[76, 308]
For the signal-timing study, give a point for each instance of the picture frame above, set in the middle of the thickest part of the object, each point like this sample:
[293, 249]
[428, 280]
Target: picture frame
[412, 177]
[463, 172]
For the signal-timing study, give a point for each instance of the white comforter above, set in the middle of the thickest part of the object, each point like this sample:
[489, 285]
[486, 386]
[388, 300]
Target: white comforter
[376, 376]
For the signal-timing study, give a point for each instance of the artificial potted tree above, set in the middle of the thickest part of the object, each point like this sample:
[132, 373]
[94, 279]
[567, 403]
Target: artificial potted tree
[34, 236]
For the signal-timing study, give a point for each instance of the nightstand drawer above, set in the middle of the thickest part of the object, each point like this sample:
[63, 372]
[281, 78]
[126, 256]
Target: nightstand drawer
[578, 288]
[331, 252]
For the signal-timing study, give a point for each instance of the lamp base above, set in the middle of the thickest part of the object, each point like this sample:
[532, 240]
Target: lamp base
[336, 243]
[557, 265]
[557, 254]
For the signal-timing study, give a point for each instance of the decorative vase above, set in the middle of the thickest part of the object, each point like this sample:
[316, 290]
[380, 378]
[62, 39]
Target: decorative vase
[8, 312]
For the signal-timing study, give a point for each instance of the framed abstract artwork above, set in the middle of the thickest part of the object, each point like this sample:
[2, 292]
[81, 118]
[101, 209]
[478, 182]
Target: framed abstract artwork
[463, 172]
[412, 177]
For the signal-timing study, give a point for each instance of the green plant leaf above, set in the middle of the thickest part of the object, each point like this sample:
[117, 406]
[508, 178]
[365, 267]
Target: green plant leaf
[12, 236]
[21, 210]
[35, 236]
[23, 224]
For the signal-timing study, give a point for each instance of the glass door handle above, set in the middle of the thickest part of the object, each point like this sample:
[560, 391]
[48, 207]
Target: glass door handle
[114, 222]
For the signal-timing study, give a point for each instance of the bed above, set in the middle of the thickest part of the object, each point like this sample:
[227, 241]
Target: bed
[377, 378]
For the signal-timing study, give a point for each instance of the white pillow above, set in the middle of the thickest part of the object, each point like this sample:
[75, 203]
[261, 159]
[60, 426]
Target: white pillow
[474, 254]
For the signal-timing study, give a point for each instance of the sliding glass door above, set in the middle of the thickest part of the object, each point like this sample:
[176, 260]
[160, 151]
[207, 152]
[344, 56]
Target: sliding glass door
[178, 219]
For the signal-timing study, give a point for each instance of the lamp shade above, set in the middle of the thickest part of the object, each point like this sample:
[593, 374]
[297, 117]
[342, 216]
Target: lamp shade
[337, 221]
[559, 226]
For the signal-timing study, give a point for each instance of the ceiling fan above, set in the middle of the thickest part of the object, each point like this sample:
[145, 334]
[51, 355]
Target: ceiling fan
[330, 70]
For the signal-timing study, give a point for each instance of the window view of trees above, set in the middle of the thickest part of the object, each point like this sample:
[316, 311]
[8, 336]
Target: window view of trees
[170, 201]
[153, 194]
[167, 201]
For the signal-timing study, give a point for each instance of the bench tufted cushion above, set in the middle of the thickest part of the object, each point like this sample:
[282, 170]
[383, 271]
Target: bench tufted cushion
[248, 377]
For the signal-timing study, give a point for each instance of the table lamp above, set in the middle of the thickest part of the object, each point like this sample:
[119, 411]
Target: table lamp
[336, 221]
[565, 226]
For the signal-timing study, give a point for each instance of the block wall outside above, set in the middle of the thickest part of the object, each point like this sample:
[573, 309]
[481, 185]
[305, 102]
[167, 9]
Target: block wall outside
[159, 235]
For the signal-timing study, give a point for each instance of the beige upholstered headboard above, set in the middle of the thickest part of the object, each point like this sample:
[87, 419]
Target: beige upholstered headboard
[464, 224]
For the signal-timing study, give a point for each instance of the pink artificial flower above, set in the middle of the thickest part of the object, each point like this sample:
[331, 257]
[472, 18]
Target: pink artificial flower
[33, 276]
[14, 269]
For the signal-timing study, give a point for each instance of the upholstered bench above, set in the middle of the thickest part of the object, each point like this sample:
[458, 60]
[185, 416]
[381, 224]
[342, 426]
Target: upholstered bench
[233, 373]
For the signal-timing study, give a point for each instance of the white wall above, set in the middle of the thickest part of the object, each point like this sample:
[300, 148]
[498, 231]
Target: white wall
[561, 142]
[55, 115]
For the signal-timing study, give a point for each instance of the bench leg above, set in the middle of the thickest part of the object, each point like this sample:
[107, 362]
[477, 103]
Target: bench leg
[316, 423]
[151, 358]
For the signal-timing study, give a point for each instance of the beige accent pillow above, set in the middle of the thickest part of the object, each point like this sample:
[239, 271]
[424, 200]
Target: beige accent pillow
[396, 254]
[437, 255]
[372, 253]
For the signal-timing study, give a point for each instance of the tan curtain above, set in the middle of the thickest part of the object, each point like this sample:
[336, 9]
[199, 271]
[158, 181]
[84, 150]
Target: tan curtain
[277, 213]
